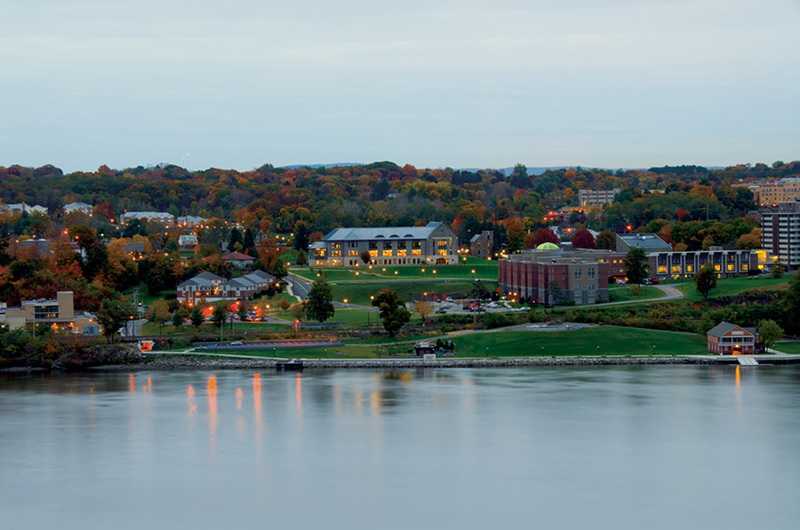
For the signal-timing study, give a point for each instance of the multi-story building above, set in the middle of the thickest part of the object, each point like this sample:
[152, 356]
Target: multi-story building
[665, 263]
[59, 314]
[774, 193]
[432, 244]
[22, 208]
[480, 246]
[589, 198]
[557, 276]
[780, 234]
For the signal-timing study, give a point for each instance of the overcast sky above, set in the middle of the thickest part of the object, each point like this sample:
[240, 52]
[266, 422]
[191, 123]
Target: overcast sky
[433, 83]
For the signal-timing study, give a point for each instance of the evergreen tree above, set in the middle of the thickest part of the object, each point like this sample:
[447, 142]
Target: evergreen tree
[393, 312]
[705, 279]
[636, 265]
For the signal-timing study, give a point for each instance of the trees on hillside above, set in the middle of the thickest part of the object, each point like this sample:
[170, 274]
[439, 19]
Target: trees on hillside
[583, 239]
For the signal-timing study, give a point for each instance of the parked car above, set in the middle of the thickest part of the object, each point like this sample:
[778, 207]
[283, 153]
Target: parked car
[441, 310]
[236, 343]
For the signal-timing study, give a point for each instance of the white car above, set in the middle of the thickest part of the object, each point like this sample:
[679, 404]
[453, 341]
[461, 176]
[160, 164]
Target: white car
[236, 343]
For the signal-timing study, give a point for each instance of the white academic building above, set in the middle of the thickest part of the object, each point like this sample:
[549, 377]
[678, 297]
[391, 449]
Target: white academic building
[432, 244]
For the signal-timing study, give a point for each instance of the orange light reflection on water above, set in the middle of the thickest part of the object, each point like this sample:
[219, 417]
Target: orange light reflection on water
[239, 396]
[192, 404]
[213, 412]
[132, 383]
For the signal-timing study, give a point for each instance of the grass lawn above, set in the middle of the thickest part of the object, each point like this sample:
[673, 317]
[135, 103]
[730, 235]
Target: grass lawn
[598, 341]
[734, 286]
[622, 293]
[789, 347]
[483, 270]
[360, 293]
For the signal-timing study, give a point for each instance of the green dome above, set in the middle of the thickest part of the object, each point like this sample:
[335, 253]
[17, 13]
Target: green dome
[547, 246]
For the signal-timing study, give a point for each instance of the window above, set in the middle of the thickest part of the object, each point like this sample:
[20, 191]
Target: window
[731, 267]
[387, 253]
[387, 244]
[662, 269]
[373, 253]
[591, 273]
[690, 268]
[578, 273]
[402, 252]
[416, 252]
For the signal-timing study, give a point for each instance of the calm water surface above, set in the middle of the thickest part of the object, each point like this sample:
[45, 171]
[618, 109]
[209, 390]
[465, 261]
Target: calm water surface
[612, 447]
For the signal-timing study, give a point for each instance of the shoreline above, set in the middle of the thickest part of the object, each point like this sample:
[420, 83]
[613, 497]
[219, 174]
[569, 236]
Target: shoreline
[181, 363]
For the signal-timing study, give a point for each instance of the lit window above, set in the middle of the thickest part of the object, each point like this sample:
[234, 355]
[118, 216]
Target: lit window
[373, 253]
[416, 252]
[387, 253]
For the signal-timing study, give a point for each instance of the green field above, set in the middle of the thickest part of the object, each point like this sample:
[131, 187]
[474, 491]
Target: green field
[622, 293]
[734, 286]
[789, 347]
[595, 341]
[360, 293]
[483, 270]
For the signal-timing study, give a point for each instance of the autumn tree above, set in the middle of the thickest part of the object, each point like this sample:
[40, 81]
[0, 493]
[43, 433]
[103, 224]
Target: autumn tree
[705, 279]
[158, 313]
[583, 239]
[423, 308]
[539, 236]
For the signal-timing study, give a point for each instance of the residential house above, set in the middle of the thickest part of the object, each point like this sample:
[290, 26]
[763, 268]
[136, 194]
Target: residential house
[239, 260]
[729, 339]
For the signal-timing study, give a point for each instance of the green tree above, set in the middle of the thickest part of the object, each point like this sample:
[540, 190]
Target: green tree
[220, 314]
[393, 312]
[300, 258]
[196, 317]
[777, 270]
[636, 265]
[241, 311]
[177, 319]
[278, 269]
[791, 304]
[319, 303]
[705, 279]
[113, 315]
[769, 333]
[479, 291]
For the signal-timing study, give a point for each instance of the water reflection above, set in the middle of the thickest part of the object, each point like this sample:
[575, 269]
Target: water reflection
[213, 413]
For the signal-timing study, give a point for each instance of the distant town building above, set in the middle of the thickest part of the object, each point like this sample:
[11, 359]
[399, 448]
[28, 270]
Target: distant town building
[42, 246]
[433, 244]
[78, 207]
[589, 198]
[480, 246]
[776, 192]
[780, 234]
[237, 259]
[190, 221]
[22, 208]
[648, 242]
[59, 314]
[187, 241]
[167, 219]
[135, 249]
[729, 339]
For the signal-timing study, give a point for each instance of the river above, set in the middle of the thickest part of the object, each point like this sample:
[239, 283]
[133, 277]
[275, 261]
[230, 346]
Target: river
[543, 447]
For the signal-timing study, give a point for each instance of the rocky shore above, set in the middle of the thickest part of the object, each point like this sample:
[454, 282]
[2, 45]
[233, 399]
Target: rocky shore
[192, 362]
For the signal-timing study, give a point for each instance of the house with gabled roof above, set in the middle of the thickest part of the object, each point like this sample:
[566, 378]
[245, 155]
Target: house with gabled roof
[730, 339]
[211, 287]
[432, 244]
